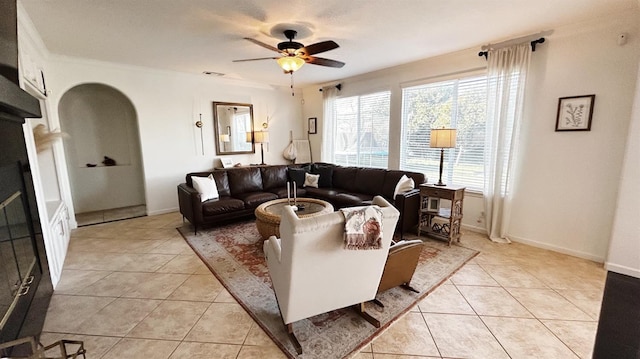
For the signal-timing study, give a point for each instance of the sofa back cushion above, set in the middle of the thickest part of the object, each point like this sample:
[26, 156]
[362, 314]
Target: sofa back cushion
[370, 181]
[326, 174]
[273, 177]
[345, 178]
[222, 181]
[243, 180]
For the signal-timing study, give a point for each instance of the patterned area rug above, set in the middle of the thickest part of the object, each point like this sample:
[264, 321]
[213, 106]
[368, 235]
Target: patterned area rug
[234, 254]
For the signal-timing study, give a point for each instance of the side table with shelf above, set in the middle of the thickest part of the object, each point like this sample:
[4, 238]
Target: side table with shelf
[448, 227]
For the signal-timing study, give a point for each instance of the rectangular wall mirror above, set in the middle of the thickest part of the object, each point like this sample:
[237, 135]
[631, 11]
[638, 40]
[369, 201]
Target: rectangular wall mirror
[231, 122]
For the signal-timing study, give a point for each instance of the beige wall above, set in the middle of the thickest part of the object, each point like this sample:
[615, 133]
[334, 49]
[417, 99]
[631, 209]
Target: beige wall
[565, 196]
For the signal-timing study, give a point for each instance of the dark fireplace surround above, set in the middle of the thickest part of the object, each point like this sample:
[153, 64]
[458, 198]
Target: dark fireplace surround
[25, 284]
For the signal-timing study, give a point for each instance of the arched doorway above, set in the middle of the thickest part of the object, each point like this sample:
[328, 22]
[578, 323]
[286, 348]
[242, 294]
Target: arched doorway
[102, 123]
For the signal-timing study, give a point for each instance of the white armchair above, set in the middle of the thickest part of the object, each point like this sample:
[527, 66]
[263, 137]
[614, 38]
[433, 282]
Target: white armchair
[313, 273]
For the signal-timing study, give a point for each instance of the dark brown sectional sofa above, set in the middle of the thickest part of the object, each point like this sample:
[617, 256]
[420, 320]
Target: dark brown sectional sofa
[243, 189]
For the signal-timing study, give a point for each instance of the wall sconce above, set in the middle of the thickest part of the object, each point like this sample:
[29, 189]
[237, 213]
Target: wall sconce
[199, 125]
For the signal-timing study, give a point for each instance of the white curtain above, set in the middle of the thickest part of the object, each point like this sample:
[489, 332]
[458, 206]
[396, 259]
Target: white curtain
[507, 73]
[329, 95]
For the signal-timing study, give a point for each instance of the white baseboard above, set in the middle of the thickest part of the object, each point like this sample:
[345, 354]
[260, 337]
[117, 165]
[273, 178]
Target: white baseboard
[474, 228]
[162, 211]
[550, 247]
[558, 249]
[612, 267]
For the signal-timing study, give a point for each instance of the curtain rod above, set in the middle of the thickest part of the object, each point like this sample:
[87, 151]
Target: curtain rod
[338, 86]
[533, 39]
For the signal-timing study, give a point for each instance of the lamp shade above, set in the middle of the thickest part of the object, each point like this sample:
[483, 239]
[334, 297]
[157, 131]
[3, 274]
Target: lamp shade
[249, 136]
[261, 136]
[290, 63]
[443, 138]
[224, 138]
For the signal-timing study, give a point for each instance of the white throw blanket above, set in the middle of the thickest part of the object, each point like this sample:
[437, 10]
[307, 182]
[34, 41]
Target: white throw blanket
[303, 151]
[362, 227]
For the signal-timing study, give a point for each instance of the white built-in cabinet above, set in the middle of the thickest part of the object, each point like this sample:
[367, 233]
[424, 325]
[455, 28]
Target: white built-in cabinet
[48, 169]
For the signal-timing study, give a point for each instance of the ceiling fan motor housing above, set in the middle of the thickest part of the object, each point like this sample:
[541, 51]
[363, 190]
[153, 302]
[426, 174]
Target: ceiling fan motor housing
[290, 45]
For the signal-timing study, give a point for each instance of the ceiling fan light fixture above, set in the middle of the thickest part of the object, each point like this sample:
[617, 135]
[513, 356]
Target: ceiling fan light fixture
[290, 63]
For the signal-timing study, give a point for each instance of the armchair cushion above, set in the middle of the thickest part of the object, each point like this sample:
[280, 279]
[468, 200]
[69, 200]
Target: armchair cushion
[401, 264]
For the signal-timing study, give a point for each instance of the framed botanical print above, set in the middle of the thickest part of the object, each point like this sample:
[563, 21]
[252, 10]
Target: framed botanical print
[575, 113]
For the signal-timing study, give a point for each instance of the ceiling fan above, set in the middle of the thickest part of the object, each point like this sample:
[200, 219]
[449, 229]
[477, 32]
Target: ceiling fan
[294, 54]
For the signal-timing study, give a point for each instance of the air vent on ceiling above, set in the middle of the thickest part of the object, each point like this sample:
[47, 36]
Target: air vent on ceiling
[212, 73]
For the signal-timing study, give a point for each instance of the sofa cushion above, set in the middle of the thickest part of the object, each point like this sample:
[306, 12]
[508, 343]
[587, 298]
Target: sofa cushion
[369, 181]
[222, 182]
[345, 178]
[282, 192]
[244, 180]
[311, 180]
[326, 175]
[346, 200]
[297, 175]
[254, 199]
[206, 186]
[221, 205]
[405, 184]
[326, 194]
[393, 176]
[273, 176]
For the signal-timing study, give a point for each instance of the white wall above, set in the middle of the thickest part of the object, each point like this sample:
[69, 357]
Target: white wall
[167, 105]
[624, 250]
[568, 182]
[101, 121]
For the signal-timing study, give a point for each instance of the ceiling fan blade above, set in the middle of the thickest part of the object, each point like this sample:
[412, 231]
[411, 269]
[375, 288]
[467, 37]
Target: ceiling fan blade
[259, 58]
[260, 43]
[318, 47]
[323, 62]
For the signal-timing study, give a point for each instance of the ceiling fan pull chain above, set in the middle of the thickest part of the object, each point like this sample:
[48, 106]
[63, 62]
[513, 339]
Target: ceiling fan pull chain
[292, 94]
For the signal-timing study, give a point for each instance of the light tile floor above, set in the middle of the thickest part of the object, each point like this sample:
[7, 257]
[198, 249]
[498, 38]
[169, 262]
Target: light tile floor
[109, 215]
[135, 289]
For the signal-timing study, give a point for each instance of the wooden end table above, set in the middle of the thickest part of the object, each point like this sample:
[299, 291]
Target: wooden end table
[269, 213]
[431, 209]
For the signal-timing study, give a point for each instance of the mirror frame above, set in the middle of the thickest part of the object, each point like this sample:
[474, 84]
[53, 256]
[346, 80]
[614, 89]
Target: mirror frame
[216, 126]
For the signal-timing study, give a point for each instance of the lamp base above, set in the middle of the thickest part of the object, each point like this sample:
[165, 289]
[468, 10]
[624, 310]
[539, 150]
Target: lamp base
[440, 184]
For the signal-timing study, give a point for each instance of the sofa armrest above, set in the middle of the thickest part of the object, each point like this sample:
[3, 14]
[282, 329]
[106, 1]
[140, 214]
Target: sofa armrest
[408, 204]
[190, 203]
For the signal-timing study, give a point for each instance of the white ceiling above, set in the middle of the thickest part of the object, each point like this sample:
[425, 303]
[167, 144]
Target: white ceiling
[206, 35]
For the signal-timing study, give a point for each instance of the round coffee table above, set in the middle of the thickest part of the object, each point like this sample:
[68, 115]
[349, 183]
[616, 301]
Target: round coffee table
[268, 214]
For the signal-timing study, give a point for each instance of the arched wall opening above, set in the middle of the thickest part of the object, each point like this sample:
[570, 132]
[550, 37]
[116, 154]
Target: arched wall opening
[102, 122]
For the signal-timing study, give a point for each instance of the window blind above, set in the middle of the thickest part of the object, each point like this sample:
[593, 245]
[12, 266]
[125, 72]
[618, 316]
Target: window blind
[361, 131]
[459, 103]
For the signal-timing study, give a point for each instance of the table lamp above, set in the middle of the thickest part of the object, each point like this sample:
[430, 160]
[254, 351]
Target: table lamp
[442, 138]
[261, 137]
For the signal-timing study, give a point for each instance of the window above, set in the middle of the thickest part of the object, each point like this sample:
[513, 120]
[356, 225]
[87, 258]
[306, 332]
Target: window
[459, 103]
[361, 130]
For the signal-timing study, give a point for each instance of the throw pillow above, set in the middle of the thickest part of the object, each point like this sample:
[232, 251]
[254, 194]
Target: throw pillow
[405, 184]
[297, 175]
[206, 186]
[311, 180]
[326, 175]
